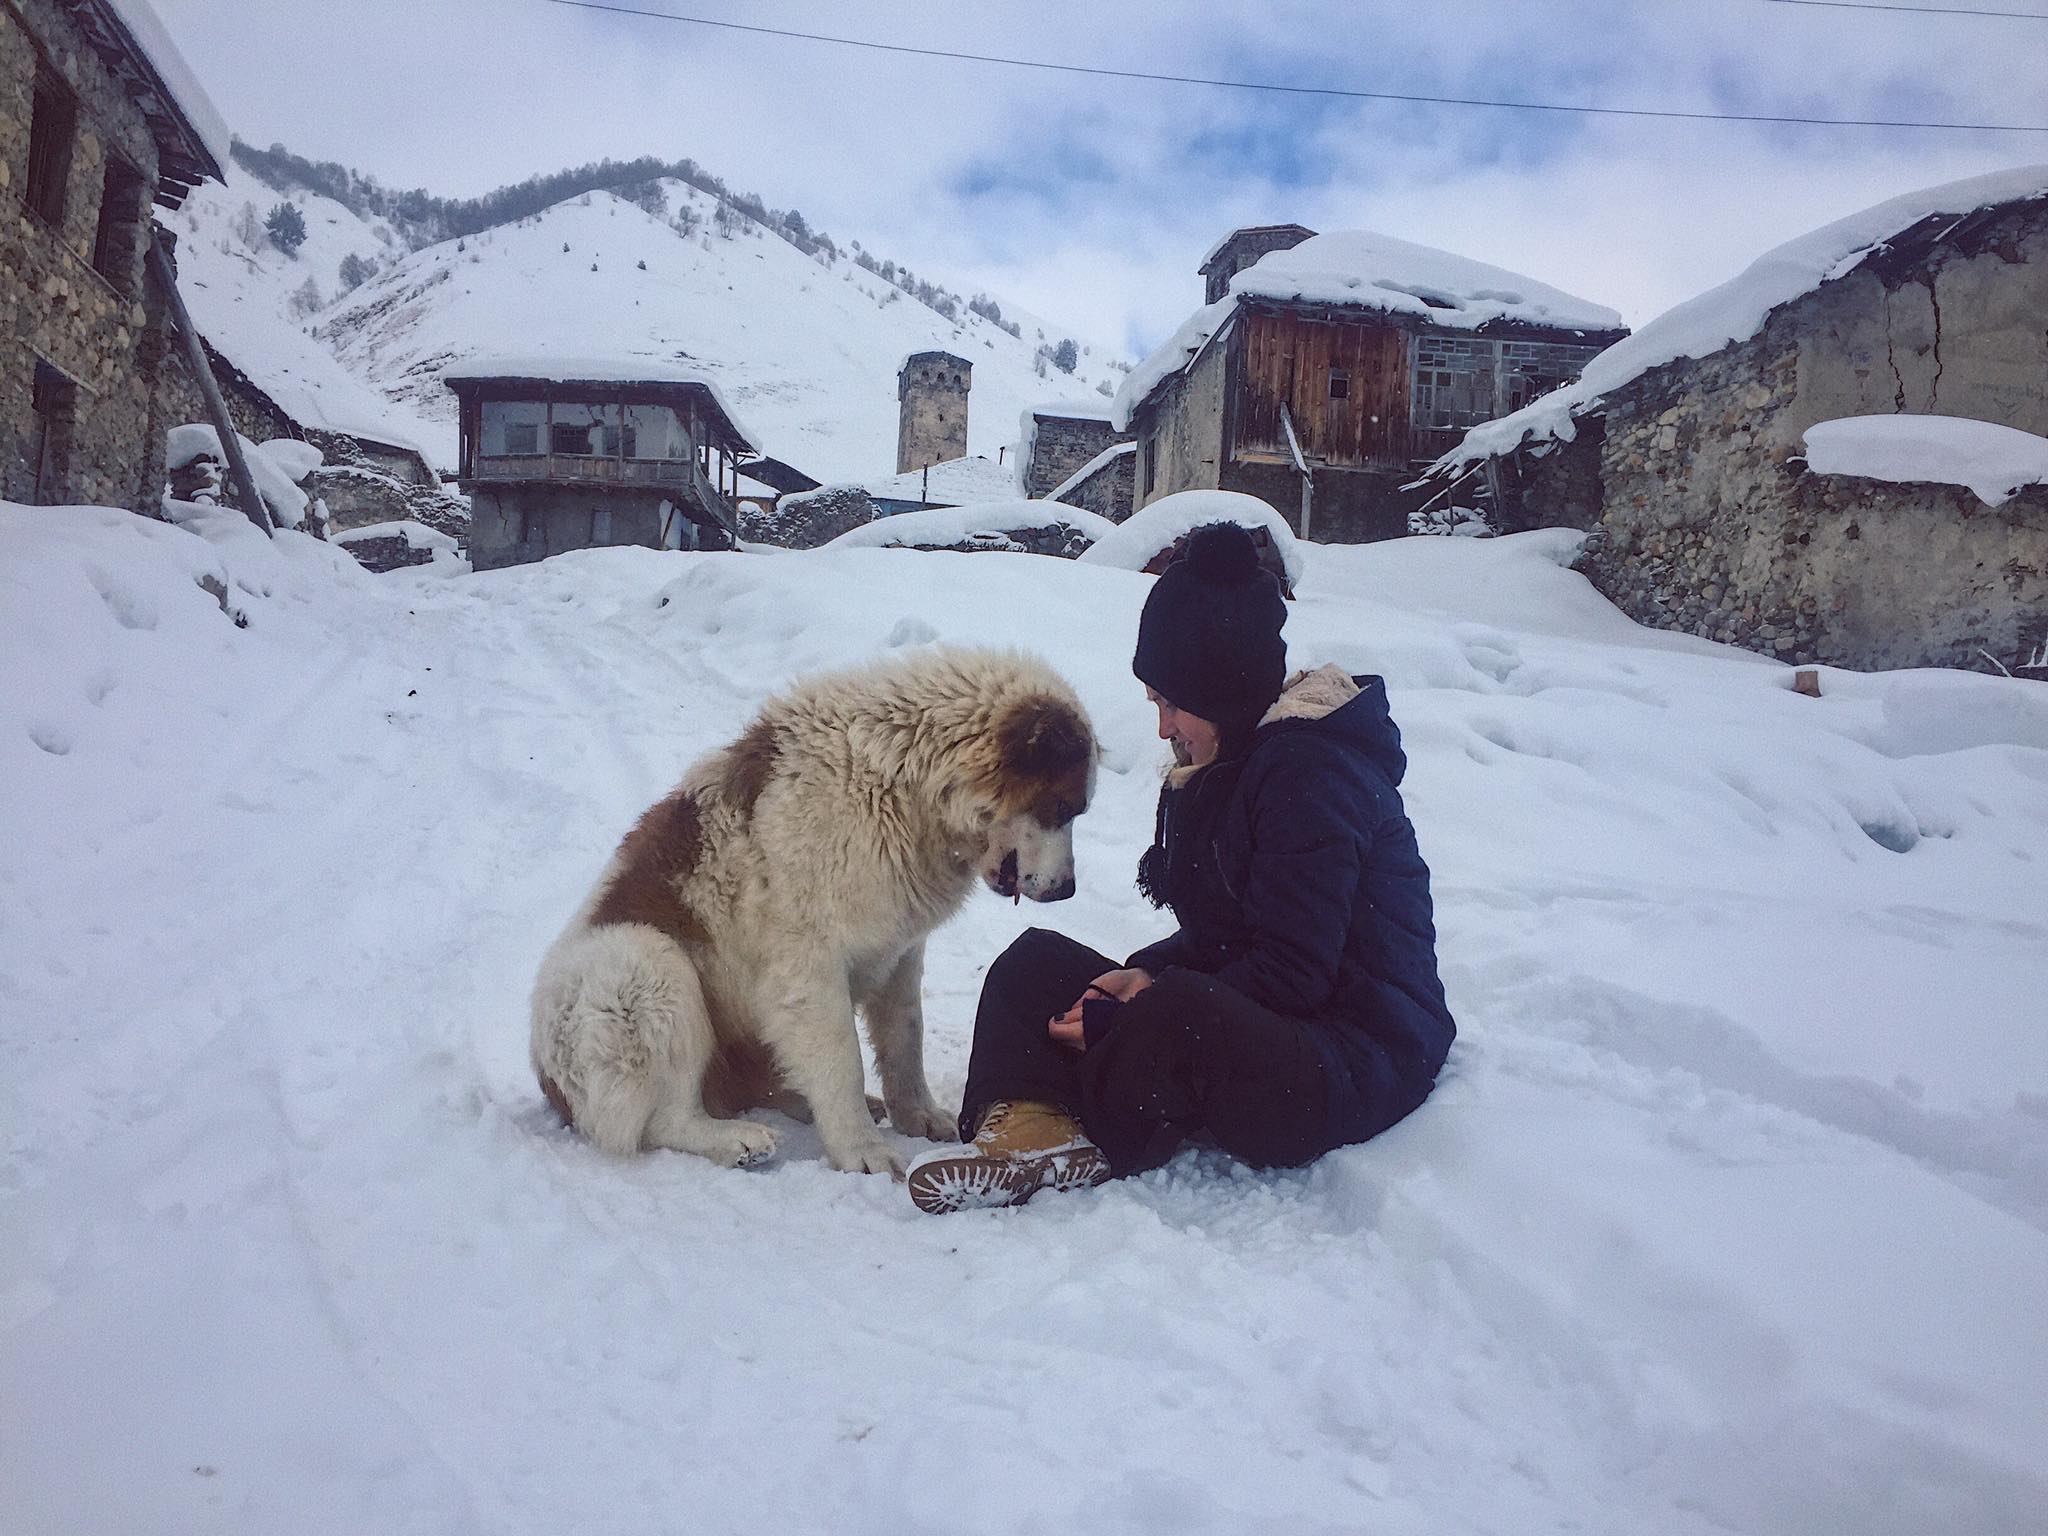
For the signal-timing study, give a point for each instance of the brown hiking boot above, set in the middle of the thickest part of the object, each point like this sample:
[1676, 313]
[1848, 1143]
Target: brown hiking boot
[1022, 1147]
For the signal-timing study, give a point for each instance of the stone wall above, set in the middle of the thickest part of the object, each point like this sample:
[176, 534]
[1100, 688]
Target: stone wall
[931, 423]
[1060, 445]
[1556, 486]
[1711, 524]
[1180, 432]
[1107, 492]
[1350, 506]
[808, 519]
[103, 333]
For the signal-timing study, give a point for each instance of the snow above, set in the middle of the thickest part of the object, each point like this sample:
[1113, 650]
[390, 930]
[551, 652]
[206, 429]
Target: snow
[277, 465]
[1992, 460]
[140, 20]
[1737, 310]
[1157, 524]
[1729, 1214]
[242, 298]
[956, 482]
[1080, 476]
[805, 349]
[951, 525]
[1361, 269]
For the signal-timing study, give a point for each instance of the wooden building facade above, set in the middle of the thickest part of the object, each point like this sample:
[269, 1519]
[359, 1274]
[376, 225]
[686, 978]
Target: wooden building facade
[1328, 411]
[554, 463]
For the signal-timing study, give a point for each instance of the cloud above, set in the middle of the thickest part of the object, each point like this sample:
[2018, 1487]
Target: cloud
[1090, 201]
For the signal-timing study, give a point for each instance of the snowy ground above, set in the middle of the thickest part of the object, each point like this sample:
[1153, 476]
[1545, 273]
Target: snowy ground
[1728, 1215]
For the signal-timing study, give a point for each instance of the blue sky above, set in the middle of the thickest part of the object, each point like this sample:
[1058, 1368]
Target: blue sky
[1091, 201]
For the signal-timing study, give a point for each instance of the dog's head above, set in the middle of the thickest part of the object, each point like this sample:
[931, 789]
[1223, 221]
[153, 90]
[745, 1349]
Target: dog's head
[1039, 777]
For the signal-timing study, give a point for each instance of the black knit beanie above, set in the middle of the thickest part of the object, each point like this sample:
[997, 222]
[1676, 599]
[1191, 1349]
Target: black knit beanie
[1209, 638]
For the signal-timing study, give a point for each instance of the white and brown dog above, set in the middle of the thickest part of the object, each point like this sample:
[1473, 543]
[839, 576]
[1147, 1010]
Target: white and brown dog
[792, 879]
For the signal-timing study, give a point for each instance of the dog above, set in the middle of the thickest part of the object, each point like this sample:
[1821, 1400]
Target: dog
[789, 881]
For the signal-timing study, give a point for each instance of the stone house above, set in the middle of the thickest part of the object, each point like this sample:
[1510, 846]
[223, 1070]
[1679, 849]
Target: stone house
[1327, 370]
[99, 119]
[576, 454]
[1681, 451]
[1067, 451]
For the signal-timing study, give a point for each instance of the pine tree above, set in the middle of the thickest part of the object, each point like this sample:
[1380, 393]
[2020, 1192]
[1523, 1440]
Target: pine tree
[287, 228]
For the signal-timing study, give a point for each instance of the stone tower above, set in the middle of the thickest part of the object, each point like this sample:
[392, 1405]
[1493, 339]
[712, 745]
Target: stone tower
[932, 388]
[1240, 248]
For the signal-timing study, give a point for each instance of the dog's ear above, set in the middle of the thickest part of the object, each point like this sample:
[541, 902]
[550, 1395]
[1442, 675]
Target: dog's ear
[1044, 737]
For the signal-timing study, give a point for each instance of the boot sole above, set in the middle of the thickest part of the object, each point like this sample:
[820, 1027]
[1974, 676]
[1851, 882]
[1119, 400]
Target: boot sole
[942, 1182]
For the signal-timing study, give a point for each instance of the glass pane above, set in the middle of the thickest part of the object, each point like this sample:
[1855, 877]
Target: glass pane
[513, 426]
[655, 432]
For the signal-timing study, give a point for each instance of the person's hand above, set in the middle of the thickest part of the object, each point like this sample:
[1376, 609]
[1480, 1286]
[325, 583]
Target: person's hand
[1121, 985]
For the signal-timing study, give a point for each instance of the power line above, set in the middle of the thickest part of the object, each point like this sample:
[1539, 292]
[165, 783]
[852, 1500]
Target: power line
[1916, 10]
[1105, 72]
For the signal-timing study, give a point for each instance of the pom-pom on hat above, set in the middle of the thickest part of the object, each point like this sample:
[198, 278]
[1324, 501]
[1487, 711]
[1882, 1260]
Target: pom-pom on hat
[1209, 638]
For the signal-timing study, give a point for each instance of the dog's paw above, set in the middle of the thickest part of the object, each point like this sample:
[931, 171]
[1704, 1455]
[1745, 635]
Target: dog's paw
[739, 1144]
[868, 1155]
[929, 1120]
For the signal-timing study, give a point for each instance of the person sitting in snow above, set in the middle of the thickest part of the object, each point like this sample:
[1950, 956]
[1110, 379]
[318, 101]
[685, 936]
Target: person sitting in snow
[1297, 1008]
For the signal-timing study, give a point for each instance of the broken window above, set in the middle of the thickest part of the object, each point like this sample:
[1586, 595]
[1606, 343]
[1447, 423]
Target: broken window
[52, 128]
[655, 432]
[114, 246]
[1452, 383]
[1340, 384]
[584, 430]
[512, 427]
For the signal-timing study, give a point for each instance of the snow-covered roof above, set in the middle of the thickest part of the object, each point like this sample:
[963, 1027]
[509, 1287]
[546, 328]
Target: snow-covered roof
[1081, 475]
[1737, 310]
[180, 85]
[953, 482]
[951, 525]
[1360, 269]
[1992, 460]
[556, 369]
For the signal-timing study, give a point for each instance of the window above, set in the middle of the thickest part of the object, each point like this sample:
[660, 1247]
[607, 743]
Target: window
[50, 134]
[1151, 464]
[512, 427]
[54, 402]
[1340, 384]
[114, 246]
[655, 432]
[584, 430]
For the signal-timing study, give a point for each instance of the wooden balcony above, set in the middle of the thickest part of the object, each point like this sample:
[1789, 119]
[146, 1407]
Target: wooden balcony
[682, 475]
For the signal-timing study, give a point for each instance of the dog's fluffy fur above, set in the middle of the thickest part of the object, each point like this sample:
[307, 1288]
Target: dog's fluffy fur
[793, 878]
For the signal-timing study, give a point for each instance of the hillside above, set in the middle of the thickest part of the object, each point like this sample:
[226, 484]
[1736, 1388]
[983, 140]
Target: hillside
[804, 343]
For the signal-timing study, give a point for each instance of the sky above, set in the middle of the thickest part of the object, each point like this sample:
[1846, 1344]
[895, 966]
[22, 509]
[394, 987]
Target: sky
[1092, 201]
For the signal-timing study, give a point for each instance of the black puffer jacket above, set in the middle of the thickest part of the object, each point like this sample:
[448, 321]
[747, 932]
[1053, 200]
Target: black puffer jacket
[1294, 873]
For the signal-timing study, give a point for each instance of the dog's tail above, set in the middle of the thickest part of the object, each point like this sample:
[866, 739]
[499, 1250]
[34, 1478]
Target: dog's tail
[619, 1028]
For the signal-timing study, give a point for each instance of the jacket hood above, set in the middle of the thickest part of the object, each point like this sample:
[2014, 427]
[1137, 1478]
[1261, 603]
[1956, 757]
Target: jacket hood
[1349, 709]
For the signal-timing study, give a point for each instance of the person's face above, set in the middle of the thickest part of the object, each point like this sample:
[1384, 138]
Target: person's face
[1195, 740]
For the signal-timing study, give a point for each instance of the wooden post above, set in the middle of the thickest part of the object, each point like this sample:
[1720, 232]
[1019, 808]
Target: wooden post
[216, 407]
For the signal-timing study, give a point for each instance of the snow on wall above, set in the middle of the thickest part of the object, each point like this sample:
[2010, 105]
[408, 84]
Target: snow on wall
[1737, 309]
[950, 525]
[1992, 460]
[1113, 451]
[277, 466]
[1153, 527]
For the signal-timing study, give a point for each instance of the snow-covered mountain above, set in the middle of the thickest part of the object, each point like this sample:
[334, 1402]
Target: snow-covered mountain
[257, 303]
[806, 347]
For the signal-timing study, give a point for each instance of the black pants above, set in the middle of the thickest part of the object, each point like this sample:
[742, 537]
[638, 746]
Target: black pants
[1186, 1055]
